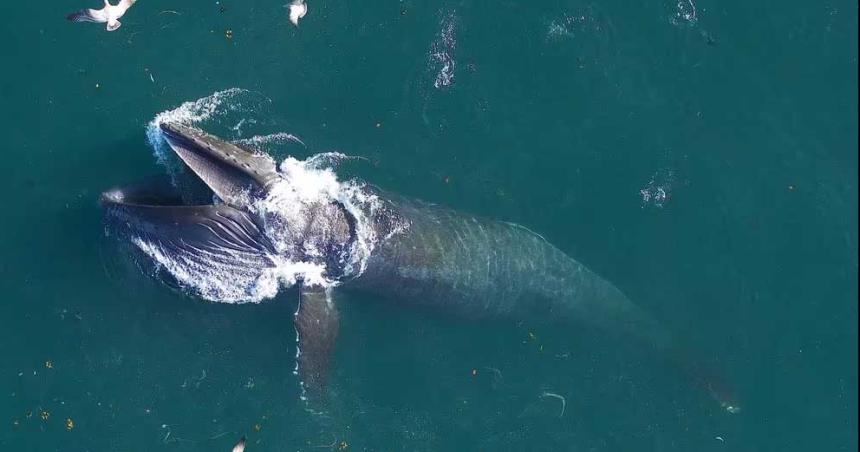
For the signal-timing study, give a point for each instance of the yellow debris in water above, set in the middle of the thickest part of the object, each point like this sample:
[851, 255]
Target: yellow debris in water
[70, 424]
[49, 364]
[45, 415]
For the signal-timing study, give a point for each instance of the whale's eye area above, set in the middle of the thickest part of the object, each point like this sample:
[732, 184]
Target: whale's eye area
[118, 196]
[152, 191]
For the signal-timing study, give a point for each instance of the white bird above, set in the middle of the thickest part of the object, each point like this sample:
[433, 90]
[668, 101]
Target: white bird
[240, 446]
[298, 9]
[110, 14]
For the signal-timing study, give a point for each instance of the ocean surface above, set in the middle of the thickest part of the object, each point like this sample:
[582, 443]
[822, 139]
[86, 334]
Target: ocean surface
[700, 155]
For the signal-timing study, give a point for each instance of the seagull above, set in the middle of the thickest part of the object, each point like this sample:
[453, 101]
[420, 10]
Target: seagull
[110, 14]
[298, 9]
[240, 446]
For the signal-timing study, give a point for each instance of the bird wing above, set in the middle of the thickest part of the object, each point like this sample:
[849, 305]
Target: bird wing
[297, 11]
[88, 15]
[240, 446]
[125, 4]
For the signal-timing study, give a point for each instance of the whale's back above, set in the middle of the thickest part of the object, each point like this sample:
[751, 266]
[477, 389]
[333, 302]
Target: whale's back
[482, 267]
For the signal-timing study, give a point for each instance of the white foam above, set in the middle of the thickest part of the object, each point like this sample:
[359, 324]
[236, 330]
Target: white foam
[442, 49]
[329, 160]
[685, 13]
[262, 142]
[658, 191]
[584, 22]
[567, 26]
[189, 113]
[306, 185]
[211, 279]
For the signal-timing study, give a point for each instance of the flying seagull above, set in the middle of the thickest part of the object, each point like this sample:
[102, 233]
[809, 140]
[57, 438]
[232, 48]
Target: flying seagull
[240, 446]
[110, 14]
[298, 9]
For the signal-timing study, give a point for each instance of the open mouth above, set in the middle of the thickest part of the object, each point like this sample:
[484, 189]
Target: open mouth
[232, 173]
[153, 213]
[226, 249]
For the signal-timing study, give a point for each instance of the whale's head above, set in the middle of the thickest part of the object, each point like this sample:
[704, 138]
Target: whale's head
[233, 248]
[236, 175]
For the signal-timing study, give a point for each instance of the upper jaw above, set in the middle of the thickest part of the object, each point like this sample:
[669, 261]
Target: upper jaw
[230, 171]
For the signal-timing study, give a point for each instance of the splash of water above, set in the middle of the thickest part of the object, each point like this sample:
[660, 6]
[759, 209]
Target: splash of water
[441, 55]
[685, 13]
[262, 142]
[193, 112]
[658, 191]
[307, 184]
[566, 26]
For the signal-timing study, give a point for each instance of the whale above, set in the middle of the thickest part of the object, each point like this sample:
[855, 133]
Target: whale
[367, 240]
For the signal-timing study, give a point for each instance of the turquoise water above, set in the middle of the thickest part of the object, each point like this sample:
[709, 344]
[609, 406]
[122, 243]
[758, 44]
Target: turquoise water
[703, 159]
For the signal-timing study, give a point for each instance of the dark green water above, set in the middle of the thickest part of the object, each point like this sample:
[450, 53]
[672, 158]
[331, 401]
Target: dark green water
[558, 114]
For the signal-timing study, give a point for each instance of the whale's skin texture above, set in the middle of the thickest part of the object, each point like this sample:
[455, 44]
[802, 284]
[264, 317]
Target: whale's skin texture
[435, 256]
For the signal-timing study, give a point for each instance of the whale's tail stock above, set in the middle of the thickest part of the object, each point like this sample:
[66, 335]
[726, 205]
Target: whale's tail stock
[698, 371]
[709, 378]
[610, 310]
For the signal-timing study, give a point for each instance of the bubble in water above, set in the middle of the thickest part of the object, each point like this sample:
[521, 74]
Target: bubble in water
[567, 26]
[658, 191]
[685, 13]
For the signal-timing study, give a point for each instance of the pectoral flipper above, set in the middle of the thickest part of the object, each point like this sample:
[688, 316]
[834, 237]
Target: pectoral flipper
[317, 324]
